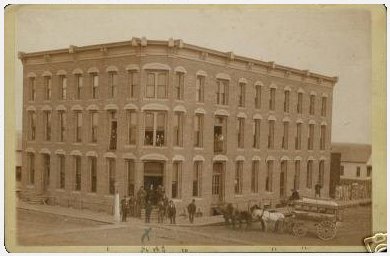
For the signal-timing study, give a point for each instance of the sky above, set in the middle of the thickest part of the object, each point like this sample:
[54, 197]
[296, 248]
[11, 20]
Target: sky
[325, 40]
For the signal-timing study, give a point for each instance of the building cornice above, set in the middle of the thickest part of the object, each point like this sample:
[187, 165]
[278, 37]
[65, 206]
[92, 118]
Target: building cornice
[173, 46]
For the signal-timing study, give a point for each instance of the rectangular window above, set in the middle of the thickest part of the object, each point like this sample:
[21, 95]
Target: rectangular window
[31, 168]
[222, 91]
[162, 85]
[322, 137]
[130, 177]
[358, 171]
[94, 126]
[286, 101]
[238, 178]
[299, 104]
[111, 175]
[62, 122]
[77, 161]
[150, 85]
[47, 117]
[256, 133]
[321, 173]
[255, 176]
[47, 81]
[132, 83]
[79, 85]
[271, 129]
[268, 178]
[113, 130]
[220, 132]
[46, 169]
[155, 127]
[179, 86]
[310, 137]
[32, 88]
[309, 174]
[198, 130]
[93, 176]
[341, 170]
[297, 174]
[95, 85]
[298, 138]
[63, 82]
[200, 80]
[33, 124]
[156, 81]
[285, 135]
[240, 134]
[272, 99]
[61, 167]
[196, 179]
[312, 104]
[369, 170]
[176, 174]
[132, 127]
[241, 96]
[323, 106]
[258, 97]
[79, 125]
[178, 129]
[113, 84]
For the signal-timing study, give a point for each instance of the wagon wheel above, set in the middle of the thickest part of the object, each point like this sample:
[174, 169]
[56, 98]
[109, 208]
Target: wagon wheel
[299, 230]
[326, 230]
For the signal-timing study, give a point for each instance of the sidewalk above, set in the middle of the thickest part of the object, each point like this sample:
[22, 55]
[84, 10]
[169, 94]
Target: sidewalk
[109, 219]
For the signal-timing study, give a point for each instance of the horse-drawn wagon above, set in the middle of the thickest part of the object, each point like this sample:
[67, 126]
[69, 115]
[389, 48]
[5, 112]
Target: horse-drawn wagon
[319, 214]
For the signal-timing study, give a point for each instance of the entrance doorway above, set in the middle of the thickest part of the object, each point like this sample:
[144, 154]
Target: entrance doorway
[218, 182]
[153, 178]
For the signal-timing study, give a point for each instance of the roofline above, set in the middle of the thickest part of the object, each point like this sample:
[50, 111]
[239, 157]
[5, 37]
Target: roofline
[174, 43]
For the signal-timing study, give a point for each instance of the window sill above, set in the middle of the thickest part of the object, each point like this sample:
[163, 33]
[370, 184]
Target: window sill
[61, 142]
[199, 148]
[129, 146]
[240, 149]
[62, 190]
[180, 100]
[199, 103]
[159, 99]
[241, 107]
[256, 149]
[178, 147]
[222, 106]
[76, 143]
[132, 99]
[238, 196]
[154, 147]
[76, 192]
[91, 194]
[92, 144]
[109, 196]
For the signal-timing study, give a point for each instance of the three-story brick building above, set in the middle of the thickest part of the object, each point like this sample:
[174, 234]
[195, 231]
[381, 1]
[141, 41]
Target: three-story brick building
[204, 124]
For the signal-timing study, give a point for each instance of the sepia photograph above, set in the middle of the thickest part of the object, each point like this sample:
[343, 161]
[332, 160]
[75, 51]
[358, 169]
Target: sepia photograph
[196, 128]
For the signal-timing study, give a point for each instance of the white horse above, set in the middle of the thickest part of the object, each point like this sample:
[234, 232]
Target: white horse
[270, 219]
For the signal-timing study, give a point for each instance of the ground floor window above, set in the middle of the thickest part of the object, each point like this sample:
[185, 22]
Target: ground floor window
[238, 177]
[309, 174]
[130, 177]
[93, 170]
[46, 168]
[268, 179]
[297, 174]
[255, 176]
[61, 166]
[321, 173]
[31, 168]
[77, 160]
[196, 183]
[111, 175]
[176, 174]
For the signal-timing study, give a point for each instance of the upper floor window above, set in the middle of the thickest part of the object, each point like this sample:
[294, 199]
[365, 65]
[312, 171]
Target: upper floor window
[256, 133]
[63, 87]
[272, 99]
[197, 178]
[157, 81]
[132, 81]
[31, 168]
[240, 132]
[358, 171]
[47, 87]
[298, 138]
[33, 124]
[222, 91]
[176, 179]
[285, 135]
[94, 126]
[178, 129]
[62, 124]
[155, 127]
[269, 176]
[47, 122]
[79, 125]
[95, 85]
[322, 137]
[312, 104]
[32, 88]
[112, 83]
[198, 130]
[61, 167]
[132, 127]
[299, 102]
[79, 85]
[241, 95]
[271, 132]
[111, 175]
[220, 132]
[321, 173]
[179, 85]
[113, 124]
[200, 81]
[310, 141]
[309, 174]
[258, 97]
[255, 176]
[323, 106]
[286, 101]
[77, 165]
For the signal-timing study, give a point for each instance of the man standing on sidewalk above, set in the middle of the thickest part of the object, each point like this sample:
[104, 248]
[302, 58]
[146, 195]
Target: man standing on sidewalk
[191, 210]
[148, 211]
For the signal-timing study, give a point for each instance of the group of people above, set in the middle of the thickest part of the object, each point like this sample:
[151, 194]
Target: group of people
[146, 199]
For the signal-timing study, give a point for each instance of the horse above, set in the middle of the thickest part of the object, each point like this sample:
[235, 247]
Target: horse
[235, 216]
[268, 218]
